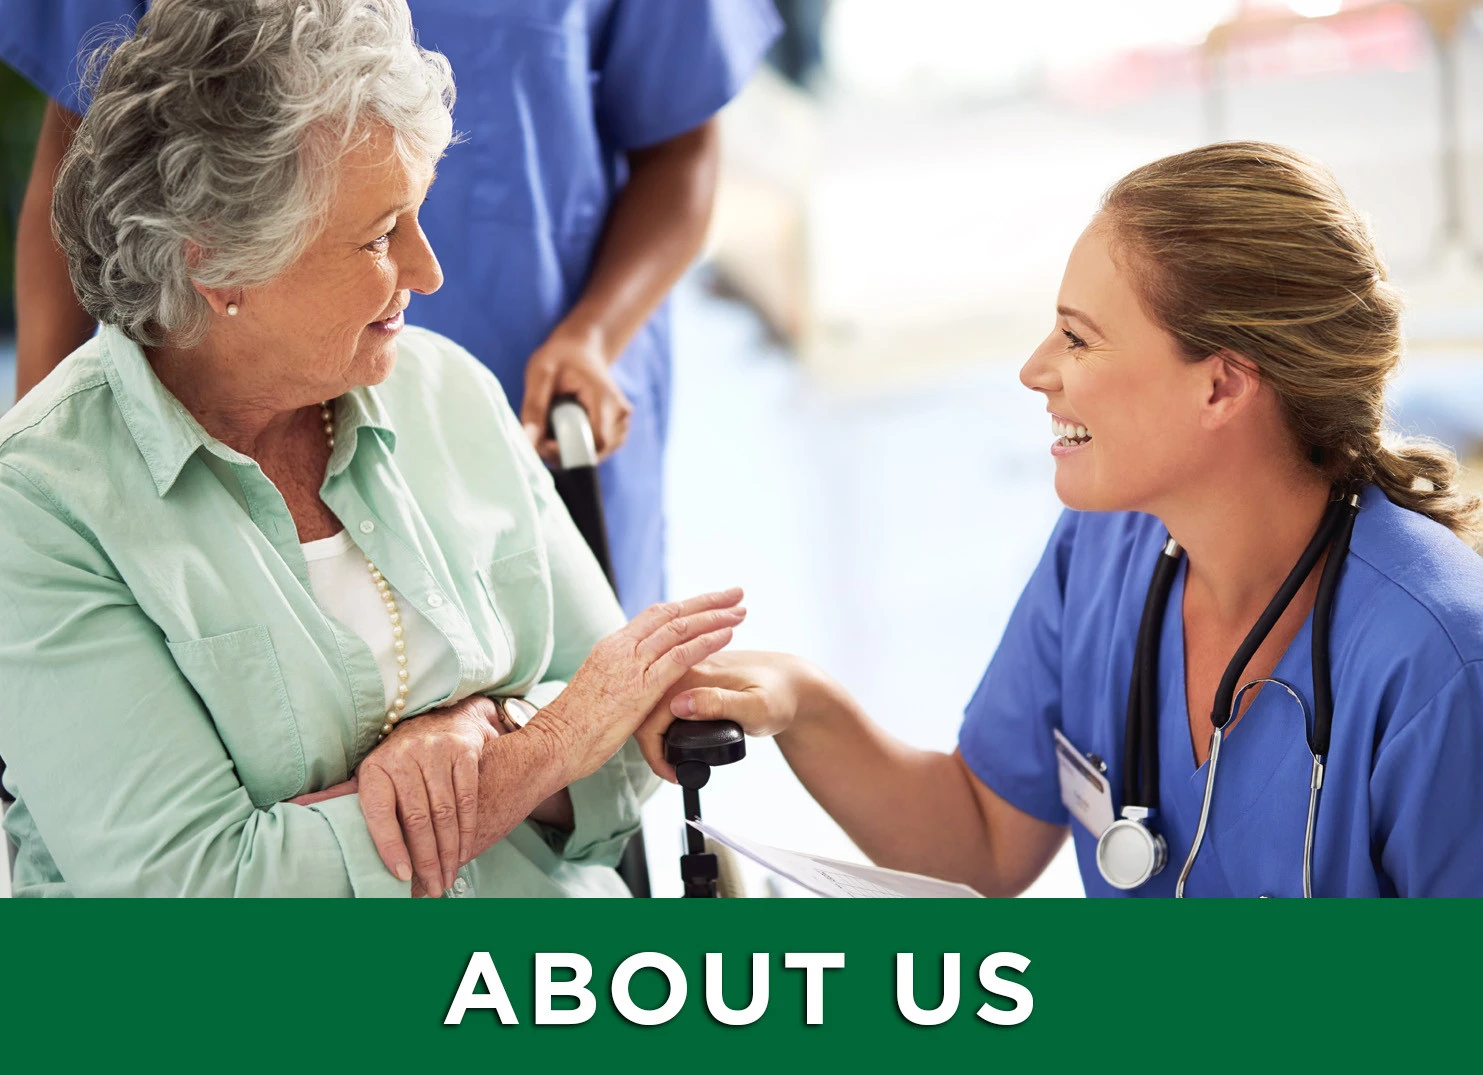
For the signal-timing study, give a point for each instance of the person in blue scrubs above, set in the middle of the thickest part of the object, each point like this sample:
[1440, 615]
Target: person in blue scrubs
[580, 192]
[1223, 335]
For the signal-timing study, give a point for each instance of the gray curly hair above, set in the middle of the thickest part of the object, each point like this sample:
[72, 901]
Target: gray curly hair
[217, 126]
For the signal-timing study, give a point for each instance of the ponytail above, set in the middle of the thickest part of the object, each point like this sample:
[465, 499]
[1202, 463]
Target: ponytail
[1421, 475]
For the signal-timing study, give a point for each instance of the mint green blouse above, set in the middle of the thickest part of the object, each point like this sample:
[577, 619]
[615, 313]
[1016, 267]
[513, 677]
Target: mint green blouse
[170, 680]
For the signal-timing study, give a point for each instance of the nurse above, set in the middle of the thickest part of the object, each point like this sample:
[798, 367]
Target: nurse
[1223, 335]
[581, 192]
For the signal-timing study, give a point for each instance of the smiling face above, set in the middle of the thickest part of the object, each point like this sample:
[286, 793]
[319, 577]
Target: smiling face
[329, 322]
[1130, 413]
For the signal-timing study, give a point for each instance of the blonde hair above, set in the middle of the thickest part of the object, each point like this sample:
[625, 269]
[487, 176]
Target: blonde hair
[1252, 249]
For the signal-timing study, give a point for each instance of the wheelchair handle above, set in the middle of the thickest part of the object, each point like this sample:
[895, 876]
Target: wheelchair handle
[573, 432]
[692, 747]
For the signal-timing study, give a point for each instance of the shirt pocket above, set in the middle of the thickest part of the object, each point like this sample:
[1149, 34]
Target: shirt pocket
[518, 588]
[238, 678]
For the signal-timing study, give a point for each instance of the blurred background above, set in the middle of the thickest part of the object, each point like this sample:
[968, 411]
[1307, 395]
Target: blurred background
[901, 188]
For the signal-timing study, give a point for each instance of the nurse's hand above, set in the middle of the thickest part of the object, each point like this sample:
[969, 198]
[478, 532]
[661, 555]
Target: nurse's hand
[574, 362]
[763, 692]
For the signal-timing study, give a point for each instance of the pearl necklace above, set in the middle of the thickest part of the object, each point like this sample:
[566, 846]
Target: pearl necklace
[399, 706]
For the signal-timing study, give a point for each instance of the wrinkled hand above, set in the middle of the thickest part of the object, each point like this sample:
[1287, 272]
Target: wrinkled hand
[629, 671]
[573, 363]
[760, 691]
[419, 791]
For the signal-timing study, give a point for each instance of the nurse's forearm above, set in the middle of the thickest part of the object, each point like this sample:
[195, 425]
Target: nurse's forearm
[906, 808]
[654, 229]
[50, 323]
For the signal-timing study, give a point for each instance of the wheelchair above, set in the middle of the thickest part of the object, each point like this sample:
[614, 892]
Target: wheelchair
[693, 747]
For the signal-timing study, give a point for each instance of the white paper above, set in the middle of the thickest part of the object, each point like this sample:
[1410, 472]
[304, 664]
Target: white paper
[830, 877]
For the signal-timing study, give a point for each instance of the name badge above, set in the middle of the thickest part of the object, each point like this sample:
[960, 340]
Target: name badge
[1084, 790]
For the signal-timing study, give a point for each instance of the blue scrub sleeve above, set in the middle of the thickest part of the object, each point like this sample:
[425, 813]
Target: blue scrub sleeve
[1426, 797]
[45, 41]
[1006, 735]
[668, 67]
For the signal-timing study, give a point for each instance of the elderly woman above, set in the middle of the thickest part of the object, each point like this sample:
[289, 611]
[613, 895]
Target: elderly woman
[256, 525]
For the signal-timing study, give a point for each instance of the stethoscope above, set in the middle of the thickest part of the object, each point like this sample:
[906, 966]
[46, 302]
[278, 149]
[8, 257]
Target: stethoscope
[1129, 852]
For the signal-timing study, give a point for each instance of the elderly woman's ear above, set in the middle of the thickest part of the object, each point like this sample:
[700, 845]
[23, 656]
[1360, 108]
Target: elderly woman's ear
[224, 302]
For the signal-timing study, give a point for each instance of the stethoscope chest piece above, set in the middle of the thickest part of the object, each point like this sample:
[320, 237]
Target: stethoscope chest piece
[1129, 852]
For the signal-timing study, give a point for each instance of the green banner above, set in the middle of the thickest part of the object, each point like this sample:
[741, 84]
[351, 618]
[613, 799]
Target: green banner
[1116, 985]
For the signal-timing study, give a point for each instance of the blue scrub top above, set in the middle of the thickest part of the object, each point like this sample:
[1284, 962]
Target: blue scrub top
[1401, 811]
[551, 96]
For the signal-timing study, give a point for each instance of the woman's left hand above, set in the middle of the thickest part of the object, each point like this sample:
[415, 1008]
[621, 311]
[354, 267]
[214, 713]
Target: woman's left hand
[572, 363]
[419, 791]
[759, 691]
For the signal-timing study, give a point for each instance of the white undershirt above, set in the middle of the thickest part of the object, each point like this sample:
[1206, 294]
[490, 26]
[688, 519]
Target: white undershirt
[345, 590]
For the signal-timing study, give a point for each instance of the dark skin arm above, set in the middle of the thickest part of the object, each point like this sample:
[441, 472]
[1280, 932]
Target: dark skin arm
[50, 324]
[654, 230]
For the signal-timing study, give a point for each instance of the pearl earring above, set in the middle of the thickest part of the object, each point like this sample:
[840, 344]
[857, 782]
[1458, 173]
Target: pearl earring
[231, 309]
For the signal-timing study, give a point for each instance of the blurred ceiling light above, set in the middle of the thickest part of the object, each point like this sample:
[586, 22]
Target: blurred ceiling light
[1315, 9]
